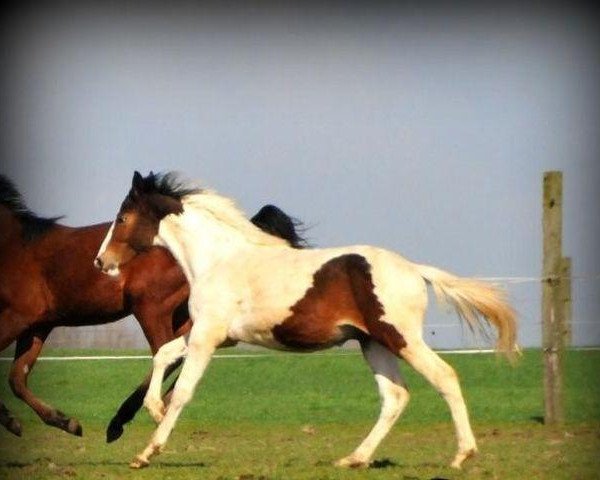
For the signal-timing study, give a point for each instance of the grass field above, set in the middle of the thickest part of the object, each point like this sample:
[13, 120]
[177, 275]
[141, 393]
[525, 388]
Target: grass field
[291, 416]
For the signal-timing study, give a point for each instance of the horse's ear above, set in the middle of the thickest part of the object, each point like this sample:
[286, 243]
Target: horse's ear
[137, 184]
[138, 180]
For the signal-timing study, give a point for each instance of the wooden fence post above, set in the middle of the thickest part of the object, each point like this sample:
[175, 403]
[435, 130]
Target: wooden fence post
[552, 307]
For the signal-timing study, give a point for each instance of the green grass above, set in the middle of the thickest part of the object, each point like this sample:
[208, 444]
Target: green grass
[249, 421]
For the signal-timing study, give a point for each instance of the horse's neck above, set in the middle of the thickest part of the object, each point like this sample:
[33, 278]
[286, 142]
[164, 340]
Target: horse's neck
[11, 227]
[197, 243]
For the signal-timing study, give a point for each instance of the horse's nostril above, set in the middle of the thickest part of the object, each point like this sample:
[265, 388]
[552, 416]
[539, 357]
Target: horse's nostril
[98, 262]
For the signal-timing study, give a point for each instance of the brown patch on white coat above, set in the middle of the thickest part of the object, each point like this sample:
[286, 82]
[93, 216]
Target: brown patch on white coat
[342, 295]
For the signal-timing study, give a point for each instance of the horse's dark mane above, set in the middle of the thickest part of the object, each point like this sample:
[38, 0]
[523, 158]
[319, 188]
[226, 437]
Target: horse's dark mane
[275, 221]
[32, 226]
[168, 184]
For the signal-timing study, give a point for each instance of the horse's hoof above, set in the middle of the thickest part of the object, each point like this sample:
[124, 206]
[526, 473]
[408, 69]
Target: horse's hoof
[74, 427]
[59, 420]
[138, 463]
[14, 427]
[351, 462]
[114, 431]
[461, 457]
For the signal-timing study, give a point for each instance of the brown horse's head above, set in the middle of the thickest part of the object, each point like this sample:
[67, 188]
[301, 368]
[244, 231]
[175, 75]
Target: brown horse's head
[150, 199]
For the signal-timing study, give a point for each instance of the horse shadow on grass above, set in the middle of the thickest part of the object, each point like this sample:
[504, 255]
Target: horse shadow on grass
[16, 464]
[383, 463]
[388, 464]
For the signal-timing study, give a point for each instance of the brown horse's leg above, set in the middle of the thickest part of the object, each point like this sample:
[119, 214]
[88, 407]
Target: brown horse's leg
[12, 325]
[29, 346]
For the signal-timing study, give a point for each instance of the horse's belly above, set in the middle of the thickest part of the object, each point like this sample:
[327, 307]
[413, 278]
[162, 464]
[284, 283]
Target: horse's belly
[284, 332]
[254, 329]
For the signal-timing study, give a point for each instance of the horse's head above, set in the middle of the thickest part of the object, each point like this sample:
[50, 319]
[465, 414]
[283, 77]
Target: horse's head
[135, 228]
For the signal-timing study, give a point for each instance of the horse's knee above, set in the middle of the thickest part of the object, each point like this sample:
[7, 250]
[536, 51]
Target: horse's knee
[169, 353]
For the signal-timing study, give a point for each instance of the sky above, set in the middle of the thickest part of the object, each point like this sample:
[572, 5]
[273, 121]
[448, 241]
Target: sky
[425, 130]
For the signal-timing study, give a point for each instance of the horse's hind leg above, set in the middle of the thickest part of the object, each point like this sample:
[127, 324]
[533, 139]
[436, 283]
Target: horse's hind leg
[29, 346]
[444, 379]
[394, 398]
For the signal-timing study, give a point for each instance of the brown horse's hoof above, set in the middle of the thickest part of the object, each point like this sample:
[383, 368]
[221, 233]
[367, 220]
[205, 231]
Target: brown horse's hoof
[138, 463]
[70, 425]
[14, 427]
[74, 427]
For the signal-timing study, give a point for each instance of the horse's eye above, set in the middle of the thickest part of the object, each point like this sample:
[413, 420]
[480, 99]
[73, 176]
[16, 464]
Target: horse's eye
[120, 219]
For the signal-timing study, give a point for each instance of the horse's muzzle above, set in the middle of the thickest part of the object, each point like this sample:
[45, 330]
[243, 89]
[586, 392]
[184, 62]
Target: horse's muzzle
[108, 268]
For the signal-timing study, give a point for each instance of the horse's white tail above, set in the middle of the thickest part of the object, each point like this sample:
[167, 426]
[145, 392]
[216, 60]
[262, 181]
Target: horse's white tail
[474, 299]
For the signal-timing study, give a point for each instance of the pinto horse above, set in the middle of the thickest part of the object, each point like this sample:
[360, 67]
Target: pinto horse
[247, 285]
[48, 280]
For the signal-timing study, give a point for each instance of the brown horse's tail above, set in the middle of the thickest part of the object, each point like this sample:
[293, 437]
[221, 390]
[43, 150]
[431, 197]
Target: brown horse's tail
[475, 300]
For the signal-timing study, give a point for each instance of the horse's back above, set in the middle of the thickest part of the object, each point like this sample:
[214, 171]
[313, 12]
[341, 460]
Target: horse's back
[286, 274]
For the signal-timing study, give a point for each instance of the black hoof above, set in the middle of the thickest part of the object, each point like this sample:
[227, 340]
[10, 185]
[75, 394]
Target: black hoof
[114, 431]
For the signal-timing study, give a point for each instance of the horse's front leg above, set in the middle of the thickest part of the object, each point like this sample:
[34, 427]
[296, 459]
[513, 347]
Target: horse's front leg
[200, 350]
[168, 354]
[160, 326]
[133, 403]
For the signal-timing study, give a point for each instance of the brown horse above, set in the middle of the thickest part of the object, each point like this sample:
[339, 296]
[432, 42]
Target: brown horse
[48, 280]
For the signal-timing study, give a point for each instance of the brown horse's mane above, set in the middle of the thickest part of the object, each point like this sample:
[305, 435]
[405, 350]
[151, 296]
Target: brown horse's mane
[33, 226]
